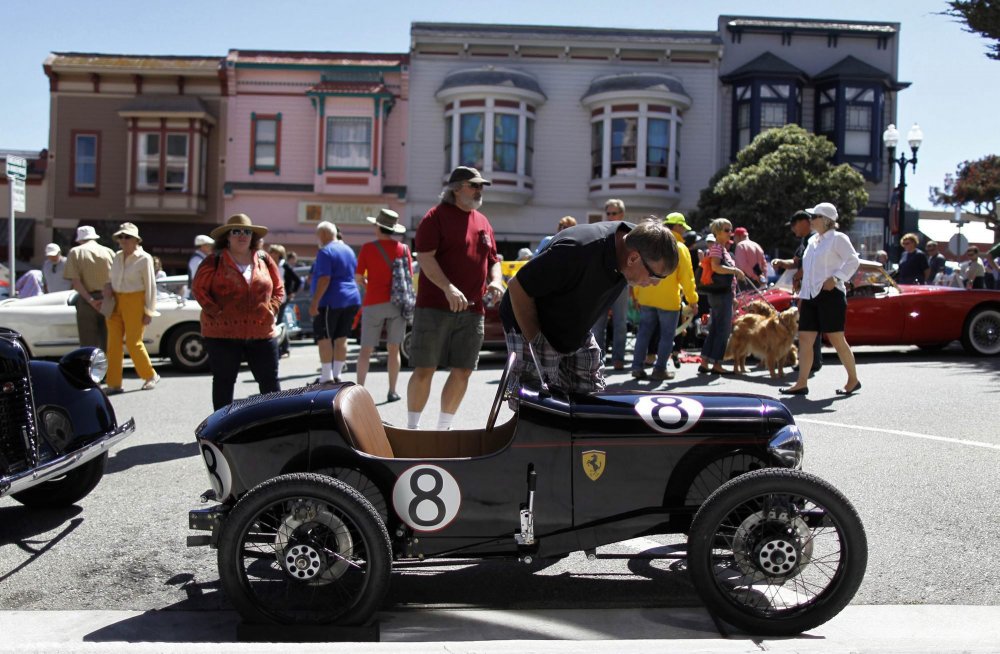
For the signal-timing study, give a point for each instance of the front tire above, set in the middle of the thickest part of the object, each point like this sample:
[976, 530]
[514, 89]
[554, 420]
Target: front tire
[981, 332]
[304, 549]
[66, 490]
[186, 349]
[777, 552]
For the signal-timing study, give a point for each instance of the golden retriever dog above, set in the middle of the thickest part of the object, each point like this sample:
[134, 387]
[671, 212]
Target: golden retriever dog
[769, 338]
[758, 307]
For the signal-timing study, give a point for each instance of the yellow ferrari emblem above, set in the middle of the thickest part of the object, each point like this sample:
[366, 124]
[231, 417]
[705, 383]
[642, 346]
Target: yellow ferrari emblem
[593, 464]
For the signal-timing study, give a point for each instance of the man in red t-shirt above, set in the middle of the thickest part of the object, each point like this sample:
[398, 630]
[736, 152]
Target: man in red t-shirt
[459, 268]
[374, 276]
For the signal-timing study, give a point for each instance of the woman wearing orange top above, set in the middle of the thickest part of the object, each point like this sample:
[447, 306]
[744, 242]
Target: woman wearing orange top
[240, 291]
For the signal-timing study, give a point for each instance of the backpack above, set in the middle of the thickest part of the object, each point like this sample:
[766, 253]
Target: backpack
[401, 292]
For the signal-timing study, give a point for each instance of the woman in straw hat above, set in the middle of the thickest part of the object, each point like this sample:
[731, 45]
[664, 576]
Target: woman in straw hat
[240, 291]
[133, 287]
[374, 276]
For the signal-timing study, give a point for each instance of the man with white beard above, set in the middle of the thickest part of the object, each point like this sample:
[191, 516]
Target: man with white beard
[459, 265]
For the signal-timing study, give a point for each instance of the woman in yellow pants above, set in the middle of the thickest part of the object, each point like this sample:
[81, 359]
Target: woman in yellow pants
[133, 284]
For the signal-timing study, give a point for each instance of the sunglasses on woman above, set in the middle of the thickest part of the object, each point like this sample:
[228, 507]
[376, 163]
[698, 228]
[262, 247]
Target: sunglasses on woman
[241, 232]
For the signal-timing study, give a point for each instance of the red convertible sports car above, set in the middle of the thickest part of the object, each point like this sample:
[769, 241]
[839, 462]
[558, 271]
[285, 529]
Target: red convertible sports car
[880, 312]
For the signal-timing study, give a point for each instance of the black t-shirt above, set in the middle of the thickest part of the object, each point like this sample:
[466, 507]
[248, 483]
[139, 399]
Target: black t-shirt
[911, 270]
[573, 281]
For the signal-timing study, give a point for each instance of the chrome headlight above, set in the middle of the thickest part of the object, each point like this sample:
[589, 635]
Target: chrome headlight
[86, 365]
[787, 446]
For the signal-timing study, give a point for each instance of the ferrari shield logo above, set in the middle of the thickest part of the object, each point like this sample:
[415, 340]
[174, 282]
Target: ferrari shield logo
[593, 464]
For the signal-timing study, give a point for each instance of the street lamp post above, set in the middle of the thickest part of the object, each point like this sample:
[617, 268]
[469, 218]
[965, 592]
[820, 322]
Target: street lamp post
[891, 137]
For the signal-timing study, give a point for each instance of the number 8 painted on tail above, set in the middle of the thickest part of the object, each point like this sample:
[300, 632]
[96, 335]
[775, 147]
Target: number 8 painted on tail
[669, 414]
[426, 497]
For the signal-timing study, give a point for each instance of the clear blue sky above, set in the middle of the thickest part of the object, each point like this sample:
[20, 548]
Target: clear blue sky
[954, 94]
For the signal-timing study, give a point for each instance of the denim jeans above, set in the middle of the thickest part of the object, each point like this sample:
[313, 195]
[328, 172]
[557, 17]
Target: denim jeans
[721, 315]
[619, 316]
[224, 358]
[649, 317]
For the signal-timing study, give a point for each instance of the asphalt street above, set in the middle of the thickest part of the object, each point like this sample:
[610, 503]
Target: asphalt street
[917, 452]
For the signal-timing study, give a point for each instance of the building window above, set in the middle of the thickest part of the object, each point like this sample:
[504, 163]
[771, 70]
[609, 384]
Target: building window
[467, 122]
[657, 147]
[761, 105]
[641, 143]
[265, 134]
[505, 143]
[596, 148]
[176, 164]
[348, 143]
[849, 115]
[148, 162]
[471, 141]
[85, 148]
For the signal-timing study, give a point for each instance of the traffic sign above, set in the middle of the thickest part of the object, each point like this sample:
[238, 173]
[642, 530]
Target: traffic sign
[17, 167]
[958, 244]
[17, 195]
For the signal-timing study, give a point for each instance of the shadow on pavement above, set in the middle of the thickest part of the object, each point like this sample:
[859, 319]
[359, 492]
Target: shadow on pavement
[138, 455]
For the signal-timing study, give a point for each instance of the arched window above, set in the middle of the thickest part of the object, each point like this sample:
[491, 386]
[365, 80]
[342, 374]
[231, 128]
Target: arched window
[489, 118]
[635, 121]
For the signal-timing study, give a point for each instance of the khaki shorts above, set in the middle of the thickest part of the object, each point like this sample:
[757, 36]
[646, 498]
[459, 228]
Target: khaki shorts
[446, 338]
[374, 316]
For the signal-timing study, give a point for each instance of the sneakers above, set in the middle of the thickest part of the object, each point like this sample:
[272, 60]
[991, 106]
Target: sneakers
[113, 390]
[661, 374]
[639, 373]
[150, 384]
[393, 397]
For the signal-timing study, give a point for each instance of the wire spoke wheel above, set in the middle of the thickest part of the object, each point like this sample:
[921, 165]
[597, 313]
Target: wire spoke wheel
[304, 548]
[777, 552]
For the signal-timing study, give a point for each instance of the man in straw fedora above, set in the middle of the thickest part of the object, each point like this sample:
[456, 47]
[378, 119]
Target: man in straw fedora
[374, 277]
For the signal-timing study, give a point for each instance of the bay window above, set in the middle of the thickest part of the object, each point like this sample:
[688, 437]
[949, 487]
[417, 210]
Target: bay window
[348, 143]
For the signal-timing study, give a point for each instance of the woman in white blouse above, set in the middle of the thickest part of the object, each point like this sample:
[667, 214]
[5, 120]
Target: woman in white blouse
[828, 262]
[133, 284]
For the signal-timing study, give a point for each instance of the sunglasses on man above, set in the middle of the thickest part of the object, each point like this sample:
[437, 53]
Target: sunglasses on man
[476, 186]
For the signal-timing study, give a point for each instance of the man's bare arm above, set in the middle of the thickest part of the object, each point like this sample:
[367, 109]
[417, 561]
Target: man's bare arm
[431, 269]
[525, 310]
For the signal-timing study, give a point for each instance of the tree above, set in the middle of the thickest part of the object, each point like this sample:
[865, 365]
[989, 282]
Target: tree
[976, 183]
[981, 17]
[782, 171]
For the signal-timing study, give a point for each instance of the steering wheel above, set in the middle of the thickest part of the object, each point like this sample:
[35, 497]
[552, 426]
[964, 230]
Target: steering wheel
[501, 392]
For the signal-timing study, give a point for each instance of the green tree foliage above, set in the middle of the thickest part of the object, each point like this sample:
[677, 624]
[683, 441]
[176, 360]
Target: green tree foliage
[976, 183]
[981, 17]
[782, 171]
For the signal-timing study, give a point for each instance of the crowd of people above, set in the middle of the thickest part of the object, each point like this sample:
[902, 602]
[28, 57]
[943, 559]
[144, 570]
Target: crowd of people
[555, 310]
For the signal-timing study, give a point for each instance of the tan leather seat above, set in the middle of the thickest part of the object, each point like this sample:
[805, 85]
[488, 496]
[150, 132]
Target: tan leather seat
[359, 422]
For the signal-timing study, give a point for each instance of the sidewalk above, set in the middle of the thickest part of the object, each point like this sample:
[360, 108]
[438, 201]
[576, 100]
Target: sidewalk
[923, 629]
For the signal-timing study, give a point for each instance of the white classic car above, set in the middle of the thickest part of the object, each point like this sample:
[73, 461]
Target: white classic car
[48, 325]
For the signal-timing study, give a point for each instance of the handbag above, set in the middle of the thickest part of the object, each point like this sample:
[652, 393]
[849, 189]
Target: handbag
[108, 305]
[711, 281]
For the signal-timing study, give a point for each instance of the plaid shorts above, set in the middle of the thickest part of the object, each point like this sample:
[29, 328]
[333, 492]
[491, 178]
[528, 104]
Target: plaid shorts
[576, 372]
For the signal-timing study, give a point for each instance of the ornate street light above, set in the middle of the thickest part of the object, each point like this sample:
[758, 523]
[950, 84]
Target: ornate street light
[891, 138]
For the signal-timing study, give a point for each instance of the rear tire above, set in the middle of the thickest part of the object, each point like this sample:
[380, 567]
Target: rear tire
[777, 552]
[66, 490]
[186, 349]
[981, 332]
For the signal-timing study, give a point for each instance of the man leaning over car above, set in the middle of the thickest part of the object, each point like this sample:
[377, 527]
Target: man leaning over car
[557, 295]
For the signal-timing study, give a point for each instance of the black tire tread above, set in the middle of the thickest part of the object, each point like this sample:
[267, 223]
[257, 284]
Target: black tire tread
[796, 482]
[270, 491]
[66, 490]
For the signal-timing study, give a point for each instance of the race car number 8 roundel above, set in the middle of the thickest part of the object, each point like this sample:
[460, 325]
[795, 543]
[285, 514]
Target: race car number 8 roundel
[670, 414]
[426, 497]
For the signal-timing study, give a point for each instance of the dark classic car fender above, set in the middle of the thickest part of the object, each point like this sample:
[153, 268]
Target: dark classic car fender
[56, 419]
[606, 466]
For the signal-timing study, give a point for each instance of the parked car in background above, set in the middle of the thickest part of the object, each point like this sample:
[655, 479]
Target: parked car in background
[881, 312]
[57, 425]
[47, 324]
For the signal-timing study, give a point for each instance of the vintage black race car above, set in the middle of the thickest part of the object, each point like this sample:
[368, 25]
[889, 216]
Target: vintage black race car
[56, 425]
[318, 497]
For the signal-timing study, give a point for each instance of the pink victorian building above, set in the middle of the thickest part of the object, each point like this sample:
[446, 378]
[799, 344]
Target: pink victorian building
[315, 136]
